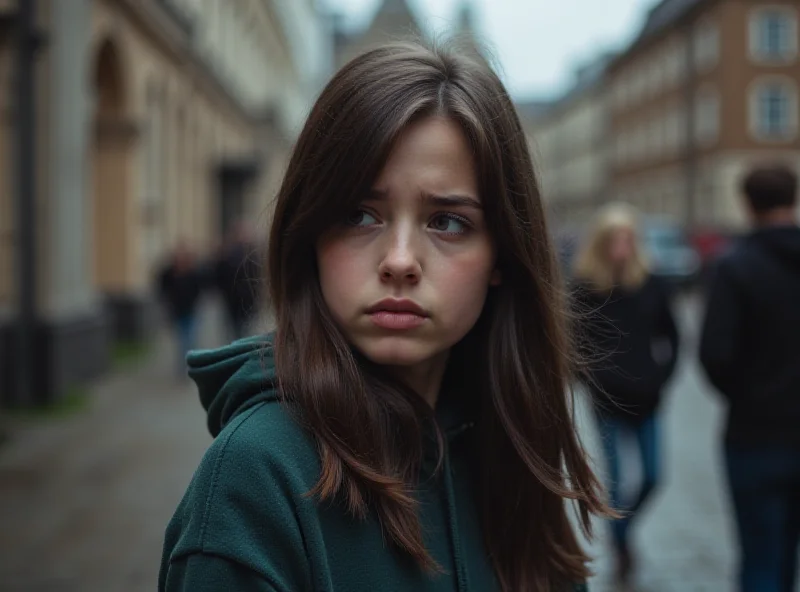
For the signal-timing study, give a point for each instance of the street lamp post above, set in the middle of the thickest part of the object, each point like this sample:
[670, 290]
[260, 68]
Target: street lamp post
[27, 42]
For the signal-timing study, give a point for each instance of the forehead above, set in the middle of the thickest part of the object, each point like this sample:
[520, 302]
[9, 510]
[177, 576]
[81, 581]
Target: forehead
[432, 154]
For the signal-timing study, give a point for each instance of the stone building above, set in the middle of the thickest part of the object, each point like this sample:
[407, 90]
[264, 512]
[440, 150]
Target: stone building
[156, 121]
[707, 90]
[568, 142]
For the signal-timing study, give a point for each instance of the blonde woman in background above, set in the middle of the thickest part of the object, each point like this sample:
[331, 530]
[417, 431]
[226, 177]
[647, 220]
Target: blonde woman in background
[631, 340]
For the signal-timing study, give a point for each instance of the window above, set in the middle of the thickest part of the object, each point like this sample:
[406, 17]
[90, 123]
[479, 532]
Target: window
[680, 128]
[773, 109]
[706, 116]
[671, 130]
[705, 46]
[623, 147]
[655, 76]
[625, 90]
[638, 143]
[677, 62]
[655, 133]
[641, 82]
[773, 34]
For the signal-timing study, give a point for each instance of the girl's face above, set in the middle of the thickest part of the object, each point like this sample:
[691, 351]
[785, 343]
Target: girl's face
[621, 247]
[406, 274]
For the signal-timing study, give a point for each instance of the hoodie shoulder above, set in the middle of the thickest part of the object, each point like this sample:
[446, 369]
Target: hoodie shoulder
[253, 479]
[238, 389]
[270, 441]
[232, 379]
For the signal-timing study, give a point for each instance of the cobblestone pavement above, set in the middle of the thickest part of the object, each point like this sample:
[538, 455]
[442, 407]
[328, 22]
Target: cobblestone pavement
[84, 500]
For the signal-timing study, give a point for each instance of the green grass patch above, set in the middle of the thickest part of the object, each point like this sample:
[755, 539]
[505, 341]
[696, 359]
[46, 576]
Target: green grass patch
[127, 353]
[75, 400]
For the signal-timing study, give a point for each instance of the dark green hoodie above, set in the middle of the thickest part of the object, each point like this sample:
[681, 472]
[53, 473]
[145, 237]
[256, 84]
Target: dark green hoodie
[246, 524]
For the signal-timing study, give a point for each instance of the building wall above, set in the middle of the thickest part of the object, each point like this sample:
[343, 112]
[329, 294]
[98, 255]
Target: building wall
[7, 212]
[140, 176]
[568, 145]
[683, 111]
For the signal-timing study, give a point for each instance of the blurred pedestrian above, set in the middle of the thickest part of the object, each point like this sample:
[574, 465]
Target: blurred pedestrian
[181, 282]
[630, 339]
[407, 426]
[750, 349]
[236, 274]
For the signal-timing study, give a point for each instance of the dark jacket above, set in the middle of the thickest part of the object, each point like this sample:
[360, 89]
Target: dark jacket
[750, 347]
[181, 291]
[247, 523]
[237, 277]
[630, 340]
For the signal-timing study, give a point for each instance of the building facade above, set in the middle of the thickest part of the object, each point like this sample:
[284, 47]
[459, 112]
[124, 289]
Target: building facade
[568, 141]
[708, 90]
[157, 121]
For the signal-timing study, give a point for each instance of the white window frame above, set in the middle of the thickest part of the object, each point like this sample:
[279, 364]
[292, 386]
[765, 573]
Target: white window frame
[679, 60]
[706, 45]
[638, 85]
[757, 54]
[680, 127]
[655, 76]
[754, 108]
[670, 134]
[707, 99]
[655, 131]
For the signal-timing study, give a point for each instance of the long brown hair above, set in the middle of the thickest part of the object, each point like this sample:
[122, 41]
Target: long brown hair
[369, 429]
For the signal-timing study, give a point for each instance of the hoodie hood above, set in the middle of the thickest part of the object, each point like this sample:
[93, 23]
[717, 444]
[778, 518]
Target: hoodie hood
[233, 378]
[783, 242]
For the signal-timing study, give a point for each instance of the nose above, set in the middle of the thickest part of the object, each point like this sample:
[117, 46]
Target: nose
[401, 261]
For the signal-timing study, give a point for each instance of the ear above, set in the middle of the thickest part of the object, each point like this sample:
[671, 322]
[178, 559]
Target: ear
[496, 278]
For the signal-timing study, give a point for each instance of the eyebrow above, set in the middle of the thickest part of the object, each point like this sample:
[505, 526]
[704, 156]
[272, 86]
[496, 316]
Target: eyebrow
[449, 200]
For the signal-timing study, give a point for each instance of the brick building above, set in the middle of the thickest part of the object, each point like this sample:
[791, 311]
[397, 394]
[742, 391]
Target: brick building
[707, 90]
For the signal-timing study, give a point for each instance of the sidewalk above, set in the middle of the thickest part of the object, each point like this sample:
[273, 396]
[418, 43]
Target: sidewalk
[84, 500]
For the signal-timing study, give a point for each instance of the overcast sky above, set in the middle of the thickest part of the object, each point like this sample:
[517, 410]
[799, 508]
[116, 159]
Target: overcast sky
[538, 42]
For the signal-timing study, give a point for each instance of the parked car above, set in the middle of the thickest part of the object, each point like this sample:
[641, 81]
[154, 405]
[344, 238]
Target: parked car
[671, 253]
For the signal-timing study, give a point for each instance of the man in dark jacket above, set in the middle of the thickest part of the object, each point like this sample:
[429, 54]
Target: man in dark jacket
[180, 284]
[750, 350]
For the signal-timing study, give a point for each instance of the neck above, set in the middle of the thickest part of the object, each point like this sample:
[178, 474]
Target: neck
[776, 217]
[425, 378]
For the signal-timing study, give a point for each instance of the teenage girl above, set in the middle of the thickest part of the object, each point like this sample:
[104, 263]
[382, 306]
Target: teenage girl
[407, 427]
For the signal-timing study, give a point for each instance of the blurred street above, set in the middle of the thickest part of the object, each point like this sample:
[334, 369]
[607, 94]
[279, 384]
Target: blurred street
[85, 499]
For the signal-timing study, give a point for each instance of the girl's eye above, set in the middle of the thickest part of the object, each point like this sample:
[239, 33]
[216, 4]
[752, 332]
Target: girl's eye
[361, 218]
[450, 224]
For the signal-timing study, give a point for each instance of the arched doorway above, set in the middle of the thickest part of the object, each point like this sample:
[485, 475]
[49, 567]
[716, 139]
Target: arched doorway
[112, 153]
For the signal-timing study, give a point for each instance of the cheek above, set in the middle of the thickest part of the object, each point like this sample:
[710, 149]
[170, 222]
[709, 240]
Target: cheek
[340, 268]
[464, 280]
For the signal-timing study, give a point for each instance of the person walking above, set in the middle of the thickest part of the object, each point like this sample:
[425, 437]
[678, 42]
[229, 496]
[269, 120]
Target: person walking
[629, 337]
[750, 350]
[236, 276]
[180, 283]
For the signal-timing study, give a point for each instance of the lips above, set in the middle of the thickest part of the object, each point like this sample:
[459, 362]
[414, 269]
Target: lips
[397, 314]
[397, 306]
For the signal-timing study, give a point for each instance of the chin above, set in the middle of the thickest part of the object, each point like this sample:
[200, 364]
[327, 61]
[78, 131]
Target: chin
[395, 350]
